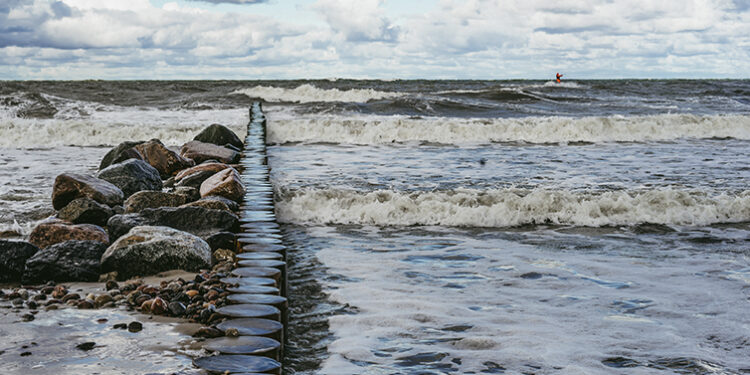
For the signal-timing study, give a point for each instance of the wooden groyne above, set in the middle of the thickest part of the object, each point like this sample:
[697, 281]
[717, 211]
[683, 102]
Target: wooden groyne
[255, 334]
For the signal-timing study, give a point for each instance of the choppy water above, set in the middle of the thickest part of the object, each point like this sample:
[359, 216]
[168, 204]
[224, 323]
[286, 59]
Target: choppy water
[589, 227]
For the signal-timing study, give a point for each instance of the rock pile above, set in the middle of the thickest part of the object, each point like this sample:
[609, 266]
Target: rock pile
[127, 220]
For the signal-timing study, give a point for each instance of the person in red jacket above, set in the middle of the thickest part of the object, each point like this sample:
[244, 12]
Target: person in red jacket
[558, 76]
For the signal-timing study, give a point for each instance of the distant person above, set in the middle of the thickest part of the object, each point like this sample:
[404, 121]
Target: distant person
[558, 76]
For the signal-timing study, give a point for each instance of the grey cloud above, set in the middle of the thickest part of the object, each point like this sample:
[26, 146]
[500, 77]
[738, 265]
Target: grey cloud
[61, 9]
[232, 1]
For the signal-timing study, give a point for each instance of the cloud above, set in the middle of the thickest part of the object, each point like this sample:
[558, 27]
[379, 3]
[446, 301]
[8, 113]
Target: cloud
[358, 21]
[452, 39]
[232, 1]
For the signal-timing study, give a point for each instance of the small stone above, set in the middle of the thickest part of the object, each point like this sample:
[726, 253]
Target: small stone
[120, 326]
[158, 306]
[32, 305]
[209, 332]
[135, 327]
[27, 317]
[177, 308]
[25, 354]
[85, 304]
[111, 284]
[40, 297]
[51, 307]
[232, 332]
[86, 346]
[59, 291]
[71, 296]
[191, 293]
[102, 299]
[17, 302]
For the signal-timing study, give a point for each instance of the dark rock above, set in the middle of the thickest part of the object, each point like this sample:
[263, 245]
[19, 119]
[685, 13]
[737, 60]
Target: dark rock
[69, 186]
[226, 183]
[209, 332]
[191, 194]
[27, 317]
[149, 250]
[65, 261]
[32, 305]
[201, 151]
[120, 326]
[135, 327]
[55, 231]
[86, 304]
[13, 256]
[234, 206]
[70, 297]
[166, 161]
[196, 220]
[152, 199]
[176, 308]
[118, 209]
[17, 301]
[132, 176]
[111, 285]
[85, 210]
[222, 240]
[25, 354]
[209, 204]
[121, 152]
[86, 346]
[196, 179]
[219, 135]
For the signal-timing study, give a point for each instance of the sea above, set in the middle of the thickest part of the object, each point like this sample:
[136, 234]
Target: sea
[460, 227]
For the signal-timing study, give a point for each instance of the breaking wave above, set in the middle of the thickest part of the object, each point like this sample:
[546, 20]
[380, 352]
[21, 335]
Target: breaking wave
[379, 130]
[307, 93]
[510, 207]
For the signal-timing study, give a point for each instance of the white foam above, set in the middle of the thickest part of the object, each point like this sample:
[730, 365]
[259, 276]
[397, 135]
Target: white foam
[387, 129]
[173, 127]
[511, 207]
[307, 93]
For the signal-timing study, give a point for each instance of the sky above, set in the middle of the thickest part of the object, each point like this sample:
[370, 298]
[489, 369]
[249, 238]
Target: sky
[373, 39]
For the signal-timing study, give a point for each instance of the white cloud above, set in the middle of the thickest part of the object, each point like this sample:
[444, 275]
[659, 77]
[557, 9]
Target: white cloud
[453, 39]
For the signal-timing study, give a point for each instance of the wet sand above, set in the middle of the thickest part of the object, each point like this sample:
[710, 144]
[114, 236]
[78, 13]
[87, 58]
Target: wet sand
[48, 344]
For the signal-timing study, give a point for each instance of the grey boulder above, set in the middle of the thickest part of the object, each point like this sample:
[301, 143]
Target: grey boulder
[132, 176]
[65, 261]
[147, 250]
[13, 256]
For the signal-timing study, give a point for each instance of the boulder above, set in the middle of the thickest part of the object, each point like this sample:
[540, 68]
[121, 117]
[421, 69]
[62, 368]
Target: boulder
[132, 176]
[200, 152]
[166, 161]
[191, 194]
[210, 204]
[13, 256]
[213, 167]
[226, 183]
[219, 135]
[121, 152]
[233, 206]
[222, 240]
[199, 221]
[148, 250]
[196, 179]
[152, 199]
[86, 211]
[51, 232]
[65, 261]
[69, 186]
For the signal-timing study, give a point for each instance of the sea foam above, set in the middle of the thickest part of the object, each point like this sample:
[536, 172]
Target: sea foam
[307, 93]
[511, 207]
[446, 130]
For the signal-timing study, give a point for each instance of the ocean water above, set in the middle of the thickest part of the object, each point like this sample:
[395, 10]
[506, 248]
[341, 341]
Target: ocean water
[455, 227]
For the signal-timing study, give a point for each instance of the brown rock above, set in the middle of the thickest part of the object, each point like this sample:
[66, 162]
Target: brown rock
[152, 199]
[166, 161]
[56, 231]
[69, 186]
[213, 167]
[200, 152]
[226, 183]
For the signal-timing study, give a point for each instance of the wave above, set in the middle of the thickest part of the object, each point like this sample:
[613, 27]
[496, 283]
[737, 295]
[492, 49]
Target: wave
[445, 130]
[307, 93]
[510, 207]
[28, 133]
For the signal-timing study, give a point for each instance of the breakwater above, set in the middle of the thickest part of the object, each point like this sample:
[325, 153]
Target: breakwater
[258, 309]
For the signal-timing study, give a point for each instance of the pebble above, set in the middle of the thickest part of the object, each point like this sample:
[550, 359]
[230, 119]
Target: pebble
[111, 284]
[86, 346]
[135, 327]
[27, 317]
[120, 326]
